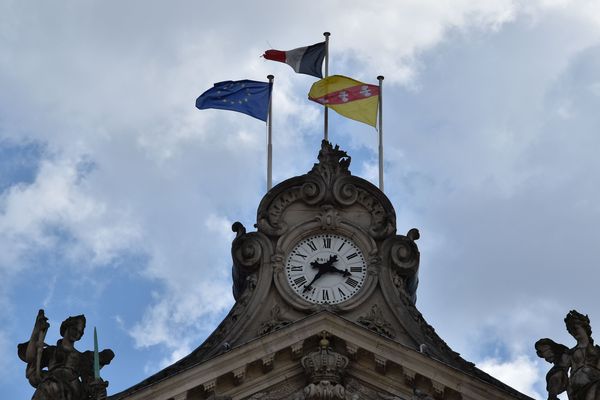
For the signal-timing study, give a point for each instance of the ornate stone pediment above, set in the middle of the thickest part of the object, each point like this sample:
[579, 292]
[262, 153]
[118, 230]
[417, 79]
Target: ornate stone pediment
[328, 184]
[325, 257]
[322, 357]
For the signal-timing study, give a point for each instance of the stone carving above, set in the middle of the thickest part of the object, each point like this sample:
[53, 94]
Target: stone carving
[62, 372]
[404, 260]
[329, 217]
[576, 370]
[276, 322]
[333, 162]
[329, 182]
[376, 322]
[246, 252]
[325, 369]
[355, 390]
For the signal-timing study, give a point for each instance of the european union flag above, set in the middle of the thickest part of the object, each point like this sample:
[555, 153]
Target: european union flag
[248, 97]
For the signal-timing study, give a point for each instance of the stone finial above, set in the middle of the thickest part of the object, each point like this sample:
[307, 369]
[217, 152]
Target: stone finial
[333, 162]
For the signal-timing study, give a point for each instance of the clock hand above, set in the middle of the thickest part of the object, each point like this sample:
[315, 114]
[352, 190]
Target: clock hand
[332, 268]
[307, 287]
[344, 272]
[324, 268]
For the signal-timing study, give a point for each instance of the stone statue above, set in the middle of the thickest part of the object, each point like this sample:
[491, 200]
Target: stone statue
[576, 370]
[62, 372]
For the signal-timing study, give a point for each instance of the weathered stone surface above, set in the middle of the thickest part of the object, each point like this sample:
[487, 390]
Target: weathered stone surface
[62, 372]
[576, 370]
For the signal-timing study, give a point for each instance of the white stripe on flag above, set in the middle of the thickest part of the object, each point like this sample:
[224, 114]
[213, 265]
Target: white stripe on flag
[294, 57]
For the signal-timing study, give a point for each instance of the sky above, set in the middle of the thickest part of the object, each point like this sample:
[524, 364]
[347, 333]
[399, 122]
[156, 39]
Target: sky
[117, 195]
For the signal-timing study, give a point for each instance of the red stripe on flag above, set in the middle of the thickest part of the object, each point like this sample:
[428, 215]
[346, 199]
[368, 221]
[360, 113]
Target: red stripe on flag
[349, 94]
[275, 55]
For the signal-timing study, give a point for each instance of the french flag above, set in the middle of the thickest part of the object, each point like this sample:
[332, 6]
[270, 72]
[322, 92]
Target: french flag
[304, 60]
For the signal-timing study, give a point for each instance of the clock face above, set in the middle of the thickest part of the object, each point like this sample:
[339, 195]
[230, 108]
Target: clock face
[326, 268]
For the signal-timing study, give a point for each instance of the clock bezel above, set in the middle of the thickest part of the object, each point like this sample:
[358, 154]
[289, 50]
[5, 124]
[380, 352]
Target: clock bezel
[312, 249]
[289, 241]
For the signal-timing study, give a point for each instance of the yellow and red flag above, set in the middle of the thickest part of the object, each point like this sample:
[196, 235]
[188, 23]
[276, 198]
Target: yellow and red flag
[348, 97]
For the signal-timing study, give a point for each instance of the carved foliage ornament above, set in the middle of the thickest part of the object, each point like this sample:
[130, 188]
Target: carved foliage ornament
[276, 322]
[375, 321]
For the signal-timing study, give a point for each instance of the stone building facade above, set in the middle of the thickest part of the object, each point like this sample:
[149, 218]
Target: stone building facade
[325, 292]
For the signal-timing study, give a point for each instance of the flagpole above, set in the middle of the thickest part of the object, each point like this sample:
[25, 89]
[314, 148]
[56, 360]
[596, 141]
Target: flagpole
[326, 120]
[270, 138]
[380, 79]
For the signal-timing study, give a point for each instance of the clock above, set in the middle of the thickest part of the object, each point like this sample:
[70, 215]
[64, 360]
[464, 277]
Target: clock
[326, 268]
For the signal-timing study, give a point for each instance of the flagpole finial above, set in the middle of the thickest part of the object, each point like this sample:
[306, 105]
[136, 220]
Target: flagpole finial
[380, 78]
[326, 34]
[270, 77]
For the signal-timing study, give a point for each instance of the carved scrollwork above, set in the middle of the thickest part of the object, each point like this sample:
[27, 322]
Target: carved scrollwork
[246, 252]
[344, 191]
[328, 183]
[313, 190]
[246, 248]
[403, 257]
[405, 254]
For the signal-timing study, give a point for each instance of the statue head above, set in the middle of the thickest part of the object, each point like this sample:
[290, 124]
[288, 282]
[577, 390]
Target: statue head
[577, 324]
[73, 326]
[549, 350]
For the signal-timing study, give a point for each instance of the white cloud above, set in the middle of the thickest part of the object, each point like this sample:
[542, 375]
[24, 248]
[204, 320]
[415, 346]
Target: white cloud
[472, 157]
[521, 373]
[33, 216]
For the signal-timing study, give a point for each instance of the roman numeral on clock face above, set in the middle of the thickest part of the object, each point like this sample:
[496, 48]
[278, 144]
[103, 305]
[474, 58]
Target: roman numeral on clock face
[332, 263]
[351, 282]
[300, 281]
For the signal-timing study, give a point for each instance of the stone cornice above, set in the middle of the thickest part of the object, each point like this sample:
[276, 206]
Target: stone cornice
[281, 342]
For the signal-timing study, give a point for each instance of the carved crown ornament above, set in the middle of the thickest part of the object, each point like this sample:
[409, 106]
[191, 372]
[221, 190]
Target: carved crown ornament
[325, 370]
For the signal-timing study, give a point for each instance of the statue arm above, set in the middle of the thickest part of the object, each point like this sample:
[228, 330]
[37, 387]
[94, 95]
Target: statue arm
[36, 342]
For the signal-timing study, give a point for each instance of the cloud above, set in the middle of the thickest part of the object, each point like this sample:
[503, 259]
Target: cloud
[34, 215]
[488, 106]
[521, 373]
